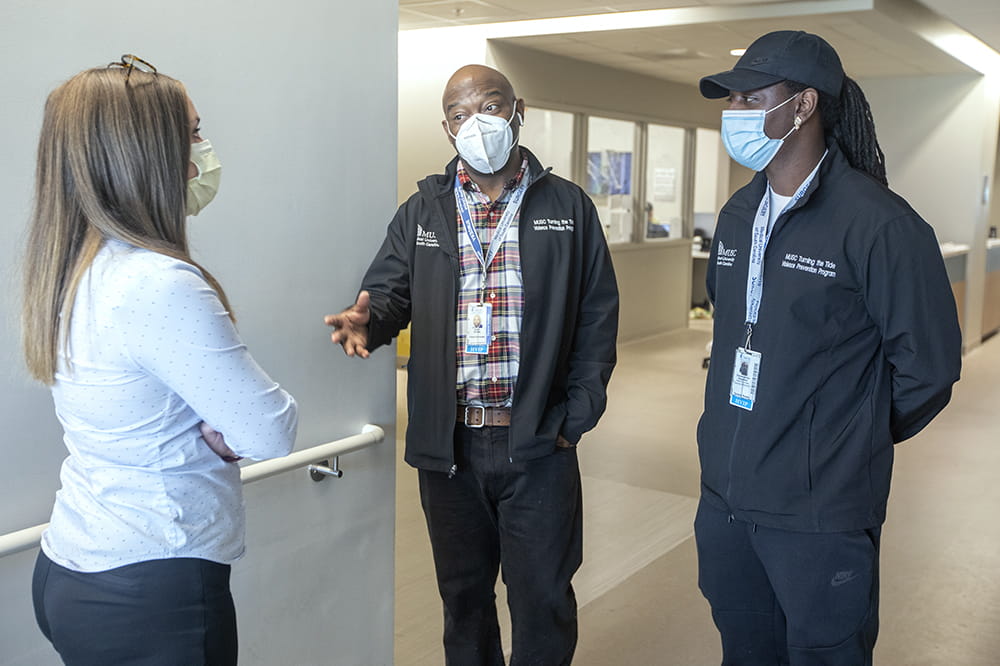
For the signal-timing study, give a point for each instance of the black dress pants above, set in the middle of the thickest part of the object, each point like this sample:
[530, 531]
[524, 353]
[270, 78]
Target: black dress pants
[523, 518]
[156, 613]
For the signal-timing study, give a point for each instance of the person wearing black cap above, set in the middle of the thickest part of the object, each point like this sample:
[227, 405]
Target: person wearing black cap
[835, 337]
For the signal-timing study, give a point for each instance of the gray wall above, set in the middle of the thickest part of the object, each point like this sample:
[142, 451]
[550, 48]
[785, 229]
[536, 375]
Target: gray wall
[563, 82]
[938, 153]
[306, 135]
[994, 195]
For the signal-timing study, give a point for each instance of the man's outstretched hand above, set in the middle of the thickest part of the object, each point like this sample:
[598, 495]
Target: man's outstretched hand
[351, 327]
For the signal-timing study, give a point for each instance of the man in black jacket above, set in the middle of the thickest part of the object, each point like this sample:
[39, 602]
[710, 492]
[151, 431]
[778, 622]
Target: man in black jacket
[835, 338]
[496, 409]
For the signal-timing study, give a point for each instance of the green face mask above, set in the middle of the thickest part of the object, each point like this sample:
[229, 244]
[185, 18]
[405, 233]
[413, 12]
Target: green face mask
[202, 188]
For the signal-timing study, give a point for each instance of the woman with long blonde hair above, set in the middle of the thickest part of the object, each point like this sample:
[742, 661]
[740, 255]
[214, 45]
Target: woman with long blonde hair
[157, 394]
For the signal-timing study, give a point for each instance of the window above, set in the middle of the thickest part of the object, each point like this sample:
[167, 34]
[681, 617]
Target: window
[649, 182]
[549, 135]
[711, 182]
[665, 178]
[609, 178]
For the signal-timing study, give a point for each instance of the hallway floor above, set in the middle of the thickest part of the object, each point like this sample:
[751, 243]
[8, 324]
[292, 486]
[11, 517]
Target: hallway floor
[638, 594]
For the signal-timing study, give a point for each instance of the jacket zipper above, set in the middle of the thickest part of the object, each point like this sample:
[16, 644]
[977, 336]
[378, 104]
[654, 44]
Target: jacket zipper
[732, 456]
[510, 454]
[749, 330]
[739, 416]
[510, 450]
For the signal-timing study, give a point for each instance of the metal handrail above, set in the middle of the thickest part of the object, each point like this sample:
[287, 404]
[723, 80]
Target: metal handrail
[28, 538]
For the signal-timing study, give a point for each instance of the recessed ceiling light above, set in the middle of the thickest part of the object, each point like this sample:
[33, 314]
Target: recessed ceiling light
[737, 52]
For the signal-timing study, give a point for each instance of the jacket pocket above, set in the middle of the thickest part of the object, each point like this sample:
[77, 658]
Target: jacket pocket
[808, 415]
[714, 453]
[551, 423]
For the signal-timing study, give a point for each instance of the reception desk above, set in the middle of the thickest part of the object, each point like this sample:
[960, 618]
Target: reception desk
[991, 295]
[699, 271]
[956, 260]
[654, 283]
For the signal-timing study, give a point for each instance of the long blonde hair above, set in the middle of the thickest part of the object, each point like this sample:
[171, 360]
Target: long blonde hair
[112, 164]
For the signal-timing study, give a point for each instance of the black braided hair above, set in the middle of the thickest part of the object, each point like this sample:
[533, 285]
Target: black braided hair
[848, 119]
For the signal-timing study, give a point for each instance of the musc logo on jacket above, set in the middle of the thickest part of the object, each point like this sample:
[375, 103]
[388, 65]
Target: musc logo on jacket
[725, 257]
[426, 238]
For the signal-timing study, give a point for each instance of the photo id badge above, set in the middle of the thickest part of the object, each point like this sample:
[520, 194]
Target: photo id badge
[745, 373]
[478, 328]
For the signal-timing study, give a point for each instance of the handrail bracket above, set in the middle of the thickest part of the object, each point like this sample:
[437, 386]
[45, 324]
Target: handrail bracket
[322, 470]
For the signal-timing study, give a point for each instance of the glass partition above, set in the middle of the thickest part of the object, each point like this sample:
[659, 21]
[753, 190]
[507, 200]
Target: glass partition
[664, 207]
[711, 182]
[647, 180]
[609, 179]
[549, 135]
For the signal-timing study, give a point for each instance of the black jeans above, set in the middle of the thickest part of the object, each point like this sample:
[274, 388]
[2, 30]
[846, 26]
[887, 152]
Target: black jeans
[780, 597]
[525, 518]
[155, 613]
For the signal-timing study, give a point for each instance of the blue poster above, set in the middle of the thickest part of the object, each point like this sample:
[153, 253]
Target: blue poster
[609, 172]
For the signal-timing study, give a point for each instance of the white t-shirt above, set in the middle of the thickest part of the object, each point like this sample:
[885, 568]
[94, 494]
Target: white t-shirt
[779, 202]
[777, 206]
[152, 354]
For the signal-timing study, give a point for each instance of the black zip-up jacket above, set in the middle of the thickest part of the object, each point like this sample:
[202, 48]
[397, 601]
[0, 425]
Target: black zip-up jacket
[569, 323]
[860, 347]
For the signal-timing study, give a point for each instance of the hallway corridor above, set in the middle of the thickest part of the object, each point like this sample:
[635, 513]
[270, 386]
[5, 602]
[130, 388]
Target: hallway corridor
[638, 594]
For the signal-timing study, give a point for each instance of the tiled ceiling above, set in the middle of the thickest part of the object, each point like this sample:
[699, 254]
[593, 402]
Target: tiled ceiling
[439, 13]
[870, 44]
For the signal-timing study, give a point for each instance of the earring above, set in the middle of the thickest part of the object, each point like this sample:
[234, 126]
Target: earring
[798, 122]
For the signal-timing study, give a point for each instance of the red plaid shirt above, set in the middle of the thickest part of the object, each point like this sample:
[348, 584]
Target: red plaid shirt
[488, 379]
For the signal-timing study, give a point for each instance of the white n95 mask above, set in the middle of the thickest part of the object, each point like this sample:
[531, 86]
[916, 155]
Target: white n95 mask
[202, 188]
[484, 142]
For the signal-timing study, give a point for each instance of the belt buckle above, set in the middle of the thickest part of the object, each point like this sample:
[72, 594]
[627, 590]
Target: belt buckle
[482, 416]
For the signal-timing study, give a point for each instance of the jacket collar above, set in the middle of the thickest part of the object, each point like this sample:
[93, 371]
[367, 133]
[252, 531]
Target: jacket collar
[439, 192]
[748, 199]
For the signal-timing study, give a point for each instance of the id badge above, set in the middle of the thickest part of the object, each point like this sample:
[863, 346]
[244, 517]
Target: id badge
[478, 328]
[745, 373]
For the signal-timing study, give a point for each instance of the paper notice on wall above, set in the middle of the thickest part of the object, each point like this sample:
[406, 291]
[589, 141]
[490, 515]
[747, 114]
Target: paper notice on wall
[664, 184]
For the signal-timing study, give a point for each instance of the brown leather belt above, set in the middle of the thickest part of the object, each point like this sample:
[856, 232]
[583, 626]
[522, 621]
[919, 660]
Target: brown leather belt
[477, 417]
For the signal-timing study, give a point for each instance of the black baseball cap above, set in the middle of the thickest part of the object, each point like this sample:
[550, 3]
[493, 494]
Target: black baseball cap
[785, 55]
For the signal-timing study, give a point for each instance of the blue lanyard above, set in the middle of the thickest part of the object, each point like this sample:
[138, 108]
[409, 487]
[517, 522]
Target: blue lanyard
[761, 234]
[501, 231]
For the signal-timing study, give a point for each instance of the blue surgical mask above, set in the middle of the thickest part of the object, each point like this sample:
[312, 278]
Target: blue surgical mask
[745, 140]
